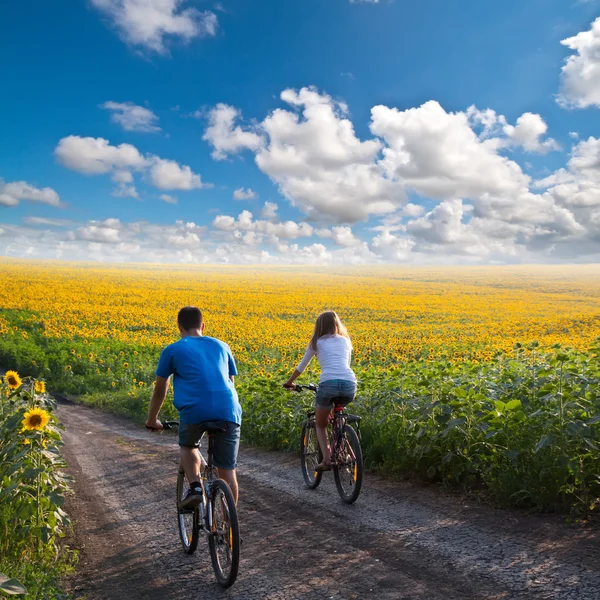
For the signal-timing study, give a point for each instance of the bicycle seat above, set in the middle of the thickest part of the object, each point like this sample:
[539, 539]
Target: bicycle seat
[212, 427]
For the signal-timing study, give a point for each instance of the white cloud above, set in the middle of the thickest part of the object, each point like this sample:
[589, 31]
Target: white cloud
[103, 232]
[527, 133]
[392, 247]
[580, 75]
[126, 191]
[313, 154]
[93, 156]
[48, 222]
[186, 239]
[288, 230]
[269, 211]
[319, 163]
[169, 175]
[12, 193]
[227, 138]
[341, 235]
[132, 117]
[438, 154]
[122, 177]
[169, 199]
[244, 194]
[147, 23]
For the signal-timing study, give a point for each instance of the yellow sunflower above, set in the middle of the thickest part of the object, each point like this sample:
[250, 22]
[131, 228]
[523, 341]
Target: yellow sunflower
[12, 379]
[35, 419]
[40, 387]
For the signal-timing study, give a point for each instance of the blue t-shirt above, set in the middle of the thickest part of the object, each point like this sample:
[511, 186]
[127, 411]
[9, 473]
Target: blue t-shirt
[201, 367]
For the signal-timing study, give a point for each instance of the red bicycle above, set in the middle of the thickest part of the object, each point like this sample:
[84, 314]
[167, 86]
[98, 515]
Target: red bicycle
[346, 451]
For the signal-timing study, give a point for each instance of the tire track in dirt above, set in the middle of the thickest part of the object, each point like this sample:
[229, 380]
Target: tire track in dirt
[397, 541]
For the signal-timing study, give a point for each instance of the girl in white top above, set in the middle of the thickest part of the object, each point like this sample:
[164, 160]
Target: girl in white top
[337, 385]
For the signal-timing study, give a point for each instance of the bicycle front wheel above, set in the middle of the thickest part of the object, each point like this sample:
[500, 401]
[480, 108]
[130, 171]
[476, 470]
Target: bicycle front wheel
[348, 470]
[310, 456]
[187, 519]
[224, 539]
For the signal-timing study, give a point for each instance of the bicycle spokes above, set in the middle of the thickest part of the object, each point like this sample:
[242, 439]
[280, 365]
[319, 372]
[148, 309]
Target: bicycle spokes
[310, 455]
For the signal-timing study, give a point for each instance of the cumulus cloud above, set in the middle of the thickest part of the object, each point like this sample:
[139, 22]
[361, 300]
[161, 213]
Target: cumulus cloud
[438, 154]
[169, 175]
[580, 75]
[94, 156]
[312, 153]
[245, 222]
[226, 137]
[269, 211]
[169, 199]
[149, 23]
[527, 133]
[244, 194]
[341, 235]
[103, 232]
[132, 117]
[12, 193]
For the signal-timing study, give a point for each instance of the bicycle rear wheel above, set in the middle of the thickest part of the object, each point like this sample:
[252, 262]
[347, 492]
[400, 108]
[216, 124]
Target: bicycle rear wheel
[310, 455]
[348, 471]
[187, 519]
[224, 539]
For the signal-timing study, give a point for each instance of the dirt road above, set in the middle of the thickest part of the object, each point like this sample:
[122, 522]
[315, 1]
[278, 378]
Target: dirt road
[397, 542]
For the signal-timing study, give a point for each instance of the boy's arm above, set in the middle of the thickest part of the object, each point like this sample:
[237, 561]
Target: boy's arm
[158, 397]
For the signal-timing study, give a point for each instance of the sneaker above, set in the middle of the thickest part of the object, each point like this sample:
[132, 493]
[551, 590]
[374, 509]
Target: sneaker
[192, 498]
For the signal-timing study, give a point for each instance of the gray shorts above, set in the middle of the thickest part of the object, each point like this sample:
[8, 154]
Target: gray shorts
[335, 392]
[225, 445]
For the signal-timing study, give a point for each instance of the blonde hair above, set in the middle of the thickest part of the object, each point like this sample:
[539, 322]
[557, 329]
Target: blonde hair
[328, 323]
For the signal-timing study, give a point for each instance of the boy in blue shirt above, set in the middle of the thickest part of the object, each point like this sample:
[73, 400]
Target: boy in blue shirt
[203, 373]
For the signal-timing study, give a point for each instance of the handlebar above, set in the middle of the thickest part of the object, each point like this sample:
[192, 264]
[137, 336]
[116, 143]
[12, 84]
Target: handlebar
[166, 426]
[311, 387]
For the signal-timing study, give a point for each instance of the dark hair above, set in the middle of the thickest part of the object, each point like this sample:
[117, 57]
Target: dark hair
[190, 317]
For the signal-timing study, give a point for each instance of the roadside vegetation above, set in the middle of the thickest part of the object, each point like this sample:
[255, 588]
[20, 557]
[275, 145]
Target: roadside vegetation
[32, 492]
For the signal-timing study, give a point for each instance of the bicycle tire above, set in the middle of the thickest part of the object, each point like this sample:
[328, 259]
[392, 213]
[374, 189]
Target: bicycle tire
[225, 537]
[309, 446]
[349, 475]
[188, 521]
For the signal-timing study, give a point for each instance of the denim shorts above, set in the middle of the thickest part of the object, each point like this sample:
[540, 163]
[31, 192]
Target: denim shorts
[335, 391]
[225, 445]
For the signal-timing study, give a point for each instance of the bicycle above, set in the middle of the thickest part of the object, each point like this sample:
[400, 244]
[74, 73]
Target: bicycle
[346, 451]
[216, 515]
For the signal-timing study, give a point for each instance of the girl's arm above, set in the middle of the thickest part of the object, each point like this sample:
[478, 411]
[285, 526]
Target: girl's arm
[308, 355]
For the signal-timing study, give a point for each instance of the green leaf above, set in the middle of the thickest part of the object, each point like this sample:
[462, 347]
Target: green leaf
[499, 405]
[12, 587]
[513, 405]
[544, 441]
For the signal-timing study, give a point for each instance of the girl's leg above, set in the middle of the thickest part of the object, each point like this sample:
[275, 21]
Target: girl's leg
[321, 421]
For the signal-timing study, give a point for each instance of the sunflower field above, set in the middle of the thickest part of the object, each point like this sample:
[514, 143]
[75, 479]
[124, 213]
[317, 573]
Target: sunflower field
[32, 491]
[479, 378]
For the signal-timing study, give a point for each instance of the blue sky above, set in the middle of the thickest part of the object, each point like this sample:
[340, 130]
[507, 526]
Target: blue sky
[289, 89]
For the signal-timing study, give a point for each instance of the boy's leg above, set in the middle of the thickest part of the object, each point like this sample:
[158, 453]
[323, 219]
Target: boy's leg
[230, 477]
[189, 436]
[190, 461]
[225, 451]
